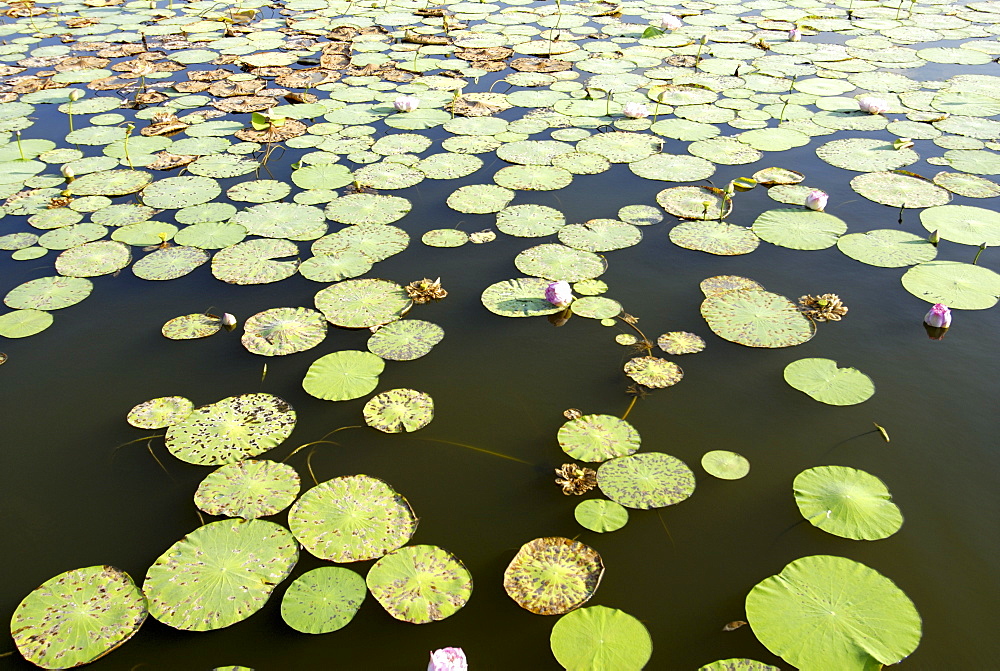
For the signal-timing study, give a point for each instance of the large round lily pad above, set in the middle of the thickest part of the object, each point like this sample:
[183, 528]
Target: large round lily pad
[399, 410]
[756, 318]
[824, 612]
[598, 438]
[957, 285]
[169, 263]
[248, 489]
[363, 303]
[600, 515]
[559, 262]
[825, 382]
[900, 189]
[846, 502]
[256, 262]
[280, 331]
[48, 293]
[964, 224]
[352, 518]
[219, 574]
[24, 323]
[714, 237]
[521, 297]
[323, 600]
[551, 576]
[420, 583]
[102, 257]
[887, 248]
[77, 617]
[405, 339]
[344, 375]
[230, 430]
[598, 638]
[646, 480]
[799, 228]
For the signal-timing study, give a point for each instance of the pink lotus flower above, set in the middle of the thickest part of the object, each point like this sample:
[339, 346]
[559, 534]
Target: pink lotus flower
[635, 111]
[939, 316]
[406, 103]
[873, 105]
[794, 35]
[448, 659]
[670, 22]
[559, 294]
[816, 200]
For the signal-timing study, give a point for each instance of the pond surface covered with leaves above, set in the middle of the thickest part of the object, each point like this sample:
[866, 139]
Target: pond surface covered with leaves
[583, 335]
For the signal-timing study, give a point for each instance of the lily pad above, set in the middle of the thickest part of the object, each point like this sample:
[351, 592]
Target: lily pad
[77, 617]
[714, 237]
[480, 198]
[363, 303]
[680, 342]
[725, 465]
[282, 220]
[957, 285]
[420, 584]
[695, 202]
[600, 515]
[48, 293]
[600, 235]
[352, 518]
[219, 574]
[887, 248]
[170, 263]
[898, 189]
[521, 297]
[866, 155]
[756, 318]
[738, 664]
[799, 229]
[110, 183]
[281, 331]
[367, 208]
[178, 192]
[596, 307]
[405, 339]
[846, 502]
[530, 220]
[559, 262]
[598, 638]
[399, 410]
[552, 576]
[654, 372]
[230, 430]
[824, 381]
[598, 438]
[646, 480]
[256, 262]
[824, 612]
[248, 489]
[322, 600]
[963, 224]
[24, 323]
[159, 413]
[344, 375]
[720, 284]
[190, 327]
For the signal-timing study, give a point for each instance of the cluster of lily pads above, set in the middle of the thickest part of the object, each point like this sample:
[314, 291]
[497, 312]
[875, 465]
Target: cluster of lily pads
[724, 83]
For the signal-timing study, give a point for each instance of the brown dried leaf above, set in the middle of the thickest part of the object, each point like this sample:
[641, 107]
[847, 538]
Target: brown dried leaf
[734, 625]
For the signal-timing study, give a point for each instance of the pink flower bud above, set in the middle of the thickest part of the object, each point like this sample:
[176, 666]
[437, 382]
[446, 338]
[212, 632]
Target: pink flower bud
[794, 35]
[635, 111]
[559, 294]
[670, 22]
[816, 200]
[448, 659]
[228, 321]
[406, 103]
[938, 316]
[873, 105]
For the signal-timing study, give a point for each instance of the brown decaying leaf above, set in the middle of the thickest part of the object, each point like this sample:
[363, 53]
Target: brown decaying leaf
[576, 480]
[425, 290]
[734, 625]
[825, 308]
[167, 161]
[572, 413]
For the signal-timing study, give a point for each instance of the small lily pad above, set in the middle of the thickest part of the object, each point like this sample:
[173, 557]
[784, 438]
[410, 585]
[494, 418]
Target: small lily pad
[600, 515]
[824, 381]
[248, 489]
[646, 480]
[420, 584]
[725, 465]
[343, 375]
[159, 413]
[322, 600]
[551, 576]
[405, 339]
[680, 342]
[24, 323]
[598, 438]
[399, 410]
[653, 372]
[190, 327]
[480, 198]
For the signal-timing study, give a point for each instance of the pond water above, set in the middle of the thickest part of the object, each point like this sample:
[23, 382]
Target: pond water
[81, 487]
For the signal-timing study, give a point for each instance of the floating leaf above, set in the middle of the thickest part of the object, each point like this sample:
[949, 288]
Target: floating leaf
[344, 375]
[756, 318]
[24, 323]
[900, 189]
[77, 617]
[420, 584]
[94, 258]
[190, 327]
[680, 342]
[522, 297]
[825, 382]
[695, 202]
[256, 262]
[405, 339]
[367, 208]
[720, 284]
[646, 480]
[530, 220]
[399, 410]
[248, 489]
[219, 574]
[170, 263]
[352, 518]
[887, 248]
[479, 198]
[653, 372]
[824, 612]
[725, 465]
[957, 285]
[600, 235]
[714, 237]
[48, 293]
[178, 192]
[159, 413]
[799, 229]
[551, 576]
[738, 664]
[600, 515]
[846, 502]
[866, 155]
[596, 307]
[963, 224]
[110, 183]
[322, 600]
[363, 303]
[598, 638]
[281, 331]
[559, 262]
[598, 438]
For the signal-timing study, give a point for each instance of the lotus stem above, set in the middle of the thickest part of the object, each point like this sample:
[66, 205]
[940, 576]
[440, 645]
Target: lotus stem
[701, 45]
[630, 406]
[553, 29]
[900, 220]
[477, 449]
[664, 525]
[128, 132]
[981, 248]
[200, 518]
[149, 447]
[19, 147]
[646, 342]
[137, 440]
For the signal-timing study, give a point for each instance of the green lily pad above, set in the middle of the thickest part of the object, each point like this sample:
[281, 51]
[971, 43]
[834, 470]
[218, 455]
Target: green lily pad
[405, 340]
[367, 208]
[24, 323]
[680, 342]
[887, 248]
[445, 237]
[970, 186]
[619, 146]
[738, 664]
[596, 307]
[344, 375]
[646, 480]
[177, 192]
[190, 327]
[770, 176]
[532, 178]
[714, 237]
[420, 584]
[756, 318]
[336, 266]
[220, 166]
[720, 284]
[77, 617]
[322, 600]
[257, 191]
[363, 303]
[725, 465]
[725, 151]
[211, 235]
[449, 165]
[653, 372]
[552, 576]
[598, 438]
[799, 228]
[219, 574]
[230, 430]
[824, 381]
[957, 285]
[899, 189]
[72, 236]
[600, 515]
[846, 502]
[48, 293]
[600, 235]
[110, 183]
[559, 262]
[281, 220]
[521, 297]
[256, 262]
[640, 215]
[248, 489]
[480, 198]
[824, 612]
[530, 220]
[673, 168]
[169, 263]
[963, 224]
[159, 413]
[122, 214]
[352, 518]
[399, 410]
[281, 331]
[598, 638]
[866, 155]
[695, 202]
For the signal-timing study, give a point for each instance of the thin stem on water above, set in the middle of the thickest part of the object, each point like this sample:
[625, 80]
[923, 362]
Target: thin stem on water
[646, 342]
[629, 408]
[137, 440]
[477, 449]
[664, 524]
[981, 248]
